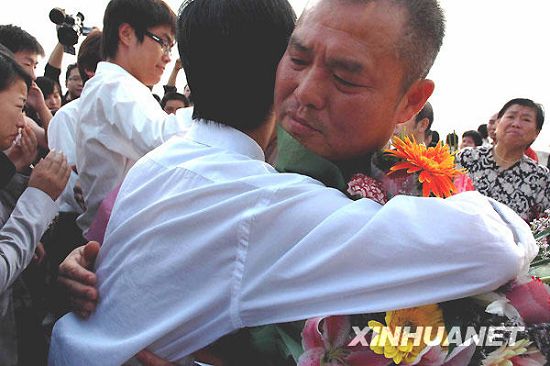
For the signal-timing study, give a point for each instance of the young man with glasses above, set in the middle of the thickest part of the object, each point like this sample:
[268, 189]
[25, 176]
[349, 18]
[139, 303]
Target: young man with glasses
[120, 121]
[74, 84]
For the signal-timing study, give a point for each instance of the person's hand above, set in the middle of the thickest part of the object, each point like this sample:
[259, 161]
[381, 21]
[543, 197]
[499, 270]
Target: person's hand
[51, 174]
[76, 277]
[39, 254]
[79, 195]
[35, 98]
[178, 66]
[23, 152]
[148, 358]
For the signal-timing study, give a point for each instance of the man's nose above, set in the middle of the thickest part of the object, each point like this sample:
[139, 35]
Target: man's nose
[311, 88]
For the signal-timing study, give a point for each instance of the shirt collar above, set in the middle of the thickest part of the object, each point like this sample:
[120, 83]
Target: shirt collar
[218, 135]
[111, 69]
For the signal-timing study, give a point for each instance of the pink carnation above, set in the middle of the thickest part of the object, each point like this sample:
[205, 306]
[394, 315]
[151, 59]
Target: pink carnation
[367, 187]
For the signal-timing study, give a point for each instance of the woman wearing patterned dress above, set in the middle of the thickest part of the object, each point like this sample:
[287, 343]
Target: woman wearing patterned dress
[502, 171]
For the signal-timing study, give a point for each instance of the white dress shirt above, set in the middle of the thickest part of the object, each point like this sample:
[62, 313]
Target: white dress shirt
[120, 121]
[62, 137]
[206, 238]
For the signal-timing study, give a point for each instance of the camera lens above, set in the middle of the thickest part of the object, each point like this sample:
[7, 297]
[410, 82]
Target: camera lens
[57, 16]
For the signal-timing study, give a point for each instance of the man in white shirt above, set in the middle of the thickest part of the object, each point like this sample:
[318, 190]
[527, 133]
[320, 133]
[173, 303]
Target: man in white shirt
[206, 238]
[62, 128]
[120, 121]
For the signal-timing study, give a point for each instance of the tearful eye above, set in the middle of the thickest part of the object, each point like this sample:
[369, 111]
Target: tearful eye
[298, 61]
[345, 82]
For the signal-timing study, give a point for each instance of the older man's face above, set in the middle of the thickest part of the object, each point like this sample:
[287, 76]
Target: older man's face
[339, 84]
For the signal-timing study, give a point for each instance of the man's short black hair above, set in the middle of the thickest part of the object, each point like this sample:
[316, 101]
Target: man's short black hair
[474, 135]
[426, 112]
[139, 14]
[482, 129]
[10, 70]
[17, 40]
[174, 96]
[230, 50]
[47, 85]
[539, 111]
[70, 68]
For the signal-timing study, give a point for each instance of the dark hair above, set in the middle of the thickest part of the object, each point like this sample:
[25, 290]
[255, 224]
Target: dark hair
[17, 40]
[422, 38]
[70, 68]
[451, 139]
[482, 129]
[10, 70]
[47, 85]
[526, 103]
[435, 138]
[139, 14]
[89, 54]
[174, 96]
[426, 112]
[230, 51]
[476, 136]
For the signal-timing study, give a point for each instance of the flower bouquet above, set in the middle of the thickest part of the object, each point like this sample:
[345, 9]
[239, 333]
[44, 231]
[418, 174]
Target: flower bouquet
[510, 326]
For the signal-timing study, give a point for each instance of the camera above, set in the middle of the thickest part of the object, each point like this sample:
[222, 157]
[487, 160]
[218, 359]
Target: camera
[70, 27]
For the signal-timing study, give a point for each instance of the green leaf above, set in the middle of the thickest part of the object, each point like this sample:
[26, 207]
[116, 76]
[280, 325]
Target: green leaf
[542, 270]
[293, 347]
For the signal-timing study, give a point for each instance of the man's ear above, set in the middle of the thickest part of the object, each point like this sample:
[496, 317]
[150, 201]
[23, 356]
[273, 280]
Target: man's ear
[126, 34]
[414, 99]
[89, 73]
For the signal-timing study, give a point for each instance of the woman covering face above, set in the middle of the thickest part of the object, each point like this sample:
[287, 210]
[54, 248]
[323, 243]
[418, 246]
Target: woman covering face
[14, 84]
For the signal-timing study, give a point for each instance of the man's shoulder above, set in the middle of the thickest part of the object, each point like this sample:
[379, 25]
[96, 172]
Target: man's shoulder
[182, 156]
[67, 112]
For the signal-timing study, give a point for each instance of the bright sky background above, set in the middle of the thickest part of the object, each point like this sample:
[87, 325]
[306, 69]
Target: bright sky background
[494, 50]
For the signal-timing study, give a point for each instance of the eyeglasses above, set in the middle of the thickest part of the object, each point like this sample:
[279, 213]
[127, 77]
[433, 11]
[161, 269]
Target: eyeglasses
[166, 47]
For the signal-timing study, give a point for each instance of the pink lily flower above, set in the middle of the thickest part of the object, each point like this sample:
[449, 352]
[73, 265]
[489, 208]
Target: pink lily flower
[325, 342]
[532, 300]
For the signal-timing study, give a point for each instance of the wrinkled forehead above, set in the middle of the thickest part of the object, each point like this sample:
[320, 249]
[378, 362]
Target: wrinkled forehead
[521, 110]
[379, 22]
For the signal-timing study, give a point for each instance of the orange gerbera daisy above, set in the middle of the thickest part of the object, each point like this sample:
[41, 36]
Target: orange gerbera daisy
[436, 165]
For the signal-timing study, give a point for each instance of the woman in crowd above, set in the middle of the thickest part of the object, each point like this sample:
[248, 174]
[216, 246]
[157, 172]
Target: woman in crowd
[503, 172]
[22, 227]
[51, 91]
[471, 138]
